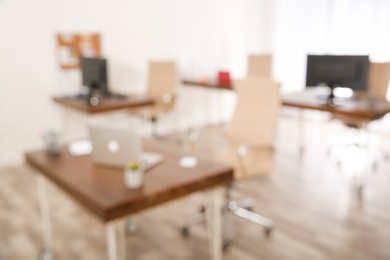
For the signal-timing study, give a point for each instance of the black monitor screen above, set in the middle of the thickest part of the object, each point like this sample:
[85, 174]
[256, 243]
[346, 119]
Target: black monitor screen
[94, 74]
[337, 71]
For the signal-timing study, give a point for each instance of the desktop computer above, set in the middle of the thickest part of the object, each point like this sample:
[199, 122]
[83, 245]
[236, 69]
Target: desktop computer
[95, 77]
[347, 71]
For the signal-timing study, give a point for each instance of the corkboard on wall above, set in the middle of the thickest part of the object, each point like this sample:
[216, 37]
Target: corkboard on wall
[72, 46]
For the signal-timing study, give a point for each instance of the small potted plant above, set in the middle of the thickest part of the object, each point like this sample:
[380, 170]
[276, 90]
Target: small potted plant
[133, 175]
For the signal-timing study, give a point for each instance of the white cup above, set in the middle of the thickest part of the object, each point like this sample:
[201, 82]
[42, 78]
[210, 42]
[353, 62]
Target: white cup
[134, 179]
[51, 139]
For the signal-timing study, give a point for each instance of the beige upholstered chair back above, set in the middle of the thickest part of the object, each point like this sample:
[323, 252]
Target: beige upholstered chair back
[253, 125]
[162, 79]
[260, 65]
[378, 80]
[254, 118]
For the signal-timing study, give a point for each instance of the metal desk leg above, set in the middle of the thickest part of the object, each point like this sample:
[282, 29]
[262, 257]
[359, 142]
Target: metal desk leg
[218, 95]
[214, 224]
[47, 252]
[115, 240]
[302, 132]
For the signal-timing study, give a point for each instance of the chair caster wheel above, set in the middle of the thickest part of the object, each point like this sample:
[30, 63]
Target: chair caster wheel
[202, 209]
[185, 232]
[131, 228]
[46, 254]
[226, 245]
[359, 192]
[268, 231]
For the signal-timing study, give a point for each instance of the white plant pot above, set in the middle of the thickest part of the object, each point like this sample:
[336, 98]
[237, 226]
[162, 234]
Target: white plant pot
[134, 179]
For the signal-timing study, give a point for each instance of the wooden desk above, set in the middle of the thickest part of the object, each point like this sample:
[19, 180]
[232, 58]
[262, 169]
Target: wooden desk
[105, 105]
[102, 191]
[208, 85]
[361, 105]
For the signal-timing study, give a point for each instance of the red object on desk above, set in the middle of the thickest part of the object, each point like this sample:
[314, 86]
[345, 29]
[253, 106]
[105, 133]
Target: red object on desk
[224, 78]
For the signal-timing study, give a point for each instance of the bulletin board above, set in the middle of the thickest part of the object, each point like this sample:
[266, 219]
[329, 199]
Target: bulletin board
[72, 46]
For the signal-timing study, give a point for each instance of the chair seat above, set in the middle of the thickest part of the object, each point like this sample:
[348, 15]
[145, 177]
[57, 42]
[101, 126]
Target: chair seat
[224, 148]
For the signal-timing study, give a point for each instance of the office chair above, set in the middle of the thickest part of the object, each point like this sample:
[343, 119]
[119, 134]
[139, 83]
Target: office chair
[379, 78]
[260, 65]
[162, 80]
[249, 135]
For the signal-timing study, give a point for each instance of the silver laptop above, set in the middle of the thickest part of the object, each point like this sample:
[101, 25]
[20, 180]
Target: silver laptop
[117, 146]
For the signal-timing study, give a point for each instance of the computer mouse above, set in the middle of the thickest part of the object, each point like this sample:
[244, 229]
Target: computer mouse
[188, 162]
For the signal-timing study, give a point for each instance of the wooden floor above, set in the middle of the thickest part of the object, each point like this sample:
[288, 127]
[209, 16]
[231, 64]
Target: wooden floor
[313, 202]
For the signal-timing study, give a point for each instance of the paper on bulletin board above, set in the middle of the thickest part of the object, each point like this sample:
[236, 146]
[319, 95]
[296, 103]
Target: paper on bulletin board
[72, 46]
[68, 56]
[89, 45]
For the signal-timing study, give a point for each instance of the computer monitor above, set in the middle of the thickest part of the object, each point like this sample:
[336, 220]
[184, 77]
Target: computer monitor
[337, 71]
[94, 75]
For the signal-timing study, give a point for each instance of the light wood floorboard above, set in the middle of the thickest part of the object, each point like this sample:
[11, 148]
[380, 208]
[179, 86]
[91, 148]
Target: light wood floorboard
[312, 201]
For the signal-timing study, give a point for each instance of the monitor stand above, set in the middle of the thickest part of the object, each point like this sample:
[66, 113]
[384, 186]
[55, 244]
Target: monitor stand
[96, 95]
[92, 97]
[116, 95]
[331, 99]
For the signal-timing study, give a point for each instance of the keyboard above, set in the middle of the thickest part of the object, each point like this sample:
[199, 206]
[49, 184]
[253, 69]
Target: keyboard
[84, 96]
[116, 96]
[84, 147]
[149, 160]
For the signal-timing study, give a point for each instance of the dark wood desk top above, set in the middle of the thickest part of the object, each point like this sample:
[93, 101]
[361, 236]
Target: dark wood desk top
[361, 105]
[102, 190]
[208, 84]
[105, 105]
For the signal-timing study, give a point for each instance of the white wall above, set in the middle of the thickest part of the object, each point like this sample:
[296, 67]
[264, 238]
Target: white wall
[201, 35]
[342, 27]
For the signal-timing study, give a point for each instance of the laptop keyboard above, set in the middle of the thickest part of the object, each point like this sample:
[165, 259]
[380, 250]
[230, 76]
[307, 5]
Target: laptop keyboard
[149, 160]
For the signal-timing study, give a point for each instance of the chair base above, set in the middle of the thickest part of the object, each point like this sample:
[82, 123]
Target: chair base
[242, 209]
[46, 254]
[362, 143]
